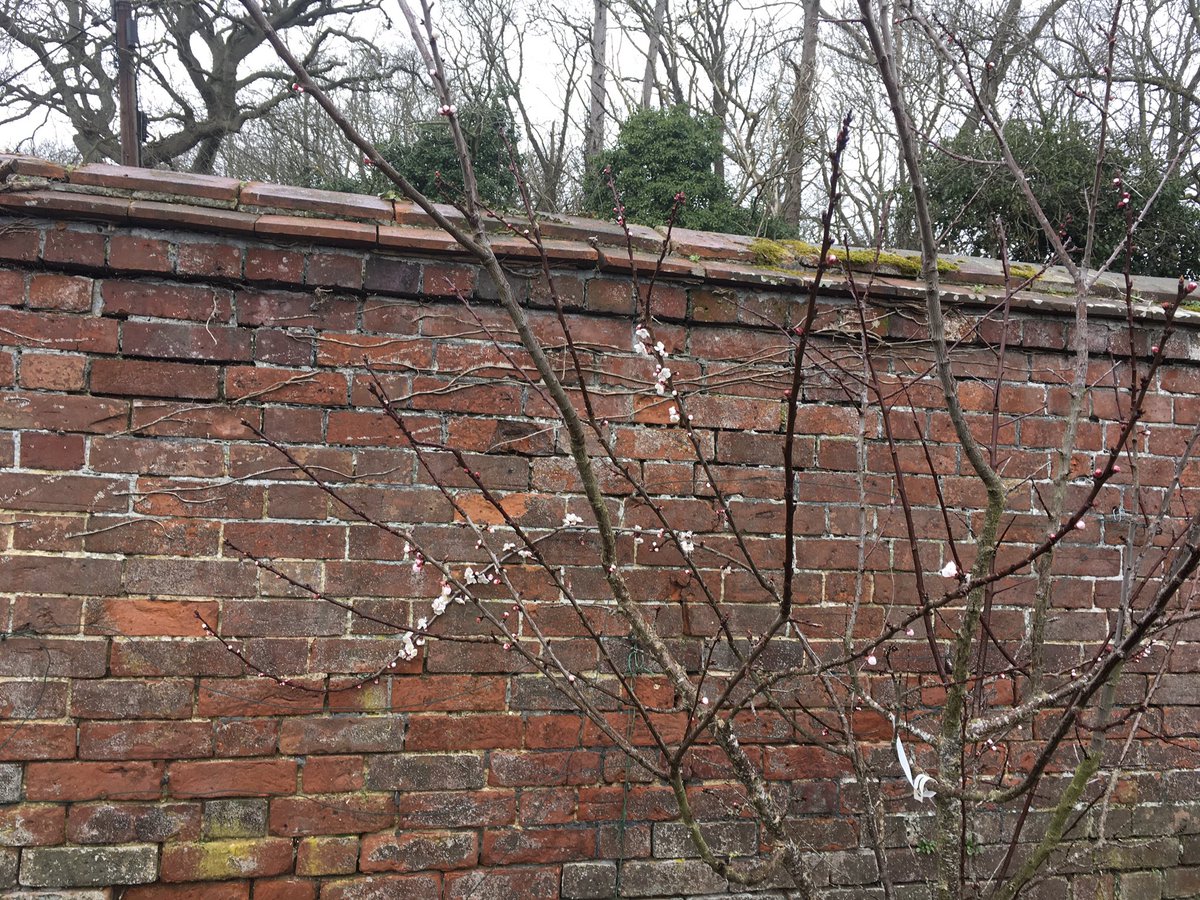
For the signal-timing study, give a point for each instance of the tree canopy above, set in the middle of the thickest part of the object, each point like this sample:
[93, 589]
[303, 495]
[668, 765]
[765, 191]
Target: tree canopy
[970, 189]
[657, 154]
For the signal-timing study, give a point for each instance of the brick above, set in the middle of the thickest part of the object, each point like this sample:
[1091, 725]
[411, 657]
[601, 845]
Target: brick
[497, 884]
[29, 740]
[127, 823]
[415, 851]
[285, 889]
[650, 878]
[391, 276]
[89, 866]
[73, 781]
[327, 856]
[449, 693]
[31, 825]
[189, 578]
[257, 697]
[62, 413]
[334, 270]
[383, 887]
[214, 260]
[327, 774]
[225, 890]
[234, 818]
[588, 880]
[53, 331]
[232, 778]
[471, 732]
[185, 459]
[142, 378]
[53, 371]
[440, 280]
[220, 860]
[544, 768]
[139, 254]
[265, 264]
[68, 293]
[351, 734]
[132, 699]
[56, 575]
[19, 243]
[246, 737]
[165, 301]
[332, 814]
[144, 740]
[162, 340]
[425, 772]
[77, 246]
[10, 783]
[286, 386]
[537, 845]
[457, 809]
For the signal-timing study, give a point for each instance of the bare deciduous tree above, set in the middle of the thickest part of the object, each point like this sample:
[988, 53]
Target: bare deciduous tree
[199, 74]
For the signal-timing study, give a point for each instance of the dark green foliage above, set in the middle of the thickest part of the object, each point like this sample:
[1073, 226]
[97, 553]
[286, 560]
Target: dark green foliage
[658, 154]
[486, 127]
[1060, 162]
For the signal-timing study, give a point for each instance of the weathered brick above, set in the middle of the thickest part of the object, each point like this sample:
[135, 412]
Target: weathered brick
[31, 825]
[425, 772]
[651, 878]
[132, 699]
[142, 378]
[332, 814]
[162, 340]
[413, 851]
[93, 780]
[89, 866]
[225, 890]
[234, 818]
[10, 783]
[232, 778]
[69, 293]
[121, 823]
[139, 254]
[327, 856]
[496, 884]
[221, 860]
[383, 887]
[342, 734]
[588, 880]
[33, 740]
[144, 740]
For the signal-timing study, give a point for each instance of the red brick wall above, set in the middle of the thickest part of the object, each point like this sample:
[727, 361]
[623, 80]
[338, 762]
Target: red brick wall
[135, 748]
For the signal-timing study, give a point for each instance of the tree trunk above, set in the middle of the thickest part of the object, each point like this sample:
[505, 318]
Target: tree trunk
[594, 139]
[796, 131]
[654, 36]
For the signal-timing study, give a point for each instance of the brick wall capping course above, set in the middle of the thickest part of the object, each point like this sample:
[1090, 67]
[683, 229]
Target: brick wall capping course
[259, 196]
[157, 181]
[285, 214]
[201, 218]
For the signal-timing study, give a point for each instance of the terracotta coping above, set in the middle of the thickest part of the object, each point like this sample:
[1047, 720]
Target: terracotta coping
[163, 198]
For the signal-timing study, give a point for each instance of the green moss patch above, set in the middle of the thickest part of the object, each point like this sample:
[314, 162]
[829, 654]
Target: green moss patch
[793, 254]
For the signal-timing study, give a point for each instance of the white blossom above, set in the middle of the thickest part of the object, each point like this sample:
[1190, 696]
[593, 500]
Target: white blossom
[949, 570]
[640, 338]
[686, 543]
[570, 519]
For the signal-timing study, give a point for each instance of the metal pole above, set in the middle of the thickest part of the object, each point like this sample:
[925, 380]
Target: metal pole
[131, 149]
